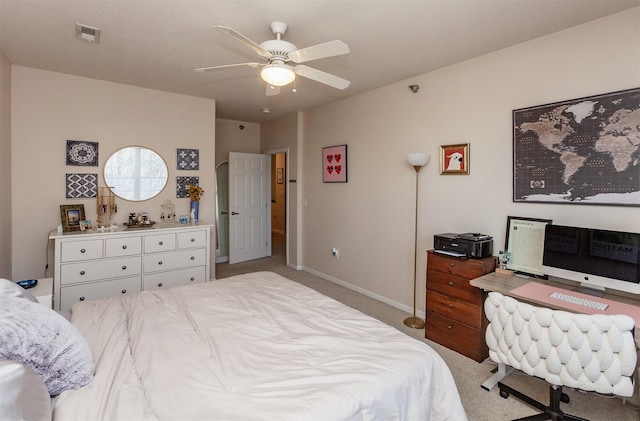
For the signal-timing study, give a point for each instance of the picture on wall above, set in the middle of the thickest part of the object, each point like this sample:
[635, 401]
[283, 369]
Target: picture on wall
[82, 153]
[182, 185]
[581, 151]
[454, 159]
[188, 159]
[334, 164]
[71, 215]
[81, 186]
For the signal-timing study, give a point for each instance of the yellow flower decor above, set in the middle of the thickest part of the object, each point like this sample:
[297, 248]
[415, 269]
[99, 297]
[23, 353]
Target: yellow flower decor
[195, 192]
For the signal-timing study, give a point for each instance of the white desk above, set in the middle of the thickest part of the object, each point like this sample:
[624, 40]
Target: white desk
[504, 284]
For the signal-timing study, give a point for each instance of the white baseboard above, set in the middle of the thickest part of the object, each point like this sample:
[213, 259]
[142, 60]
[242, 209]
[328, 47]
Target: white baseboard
[296, 267]
[363, 291]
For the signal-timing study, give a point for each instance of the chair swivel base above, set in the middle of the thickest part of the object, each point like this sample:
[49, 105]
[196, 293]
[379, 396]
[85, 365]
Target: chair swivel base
[551, 412]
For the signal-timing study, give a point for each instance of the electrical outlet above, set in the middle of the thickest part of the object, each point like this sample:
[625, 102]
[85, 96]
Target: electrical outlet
[335, 253]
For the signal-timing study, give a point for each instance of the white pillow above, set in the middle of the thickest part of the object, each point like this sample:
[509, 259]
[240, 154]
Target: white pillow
[11, 289]
[45, 341]
[23, 395]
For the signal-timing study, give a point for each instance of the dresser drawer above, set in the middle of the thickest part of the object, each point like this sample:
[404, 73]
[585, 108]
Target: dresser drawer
[192, 239]
[456, 336]
[124, 246]
[72, 273]
[455, 286]
[173, 278]
[73, 251]
[179, 259]
[160, 242]
[455, 309]
[465, 268]
[93, 291]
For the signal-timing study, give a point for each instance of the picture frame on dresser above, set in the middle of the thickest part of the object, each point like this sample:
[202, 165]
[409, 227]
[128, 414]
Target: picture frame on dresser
[70, 216]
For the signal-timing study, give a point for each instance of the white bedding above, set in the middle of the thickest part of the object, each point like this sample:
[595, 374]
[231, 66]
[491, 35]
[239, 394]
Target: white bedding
[252, 347]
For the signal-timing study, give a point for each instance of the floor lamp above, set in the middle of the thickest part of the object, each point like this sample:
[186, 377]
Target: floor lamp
[417, 160]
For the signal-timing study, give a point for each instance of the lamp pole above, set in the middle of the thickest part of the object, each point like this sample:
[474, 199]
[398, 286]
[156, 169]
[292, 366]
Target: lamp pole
[417, 160]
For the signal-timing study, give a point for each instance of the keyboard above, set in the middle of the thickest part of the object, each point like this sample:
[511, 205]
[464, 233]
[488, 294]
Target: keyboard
[579, 300]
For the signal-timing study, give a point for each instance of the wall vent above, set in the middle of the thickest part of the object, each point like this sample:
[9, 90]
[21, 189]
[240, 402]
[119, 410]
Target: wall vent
[88, 33]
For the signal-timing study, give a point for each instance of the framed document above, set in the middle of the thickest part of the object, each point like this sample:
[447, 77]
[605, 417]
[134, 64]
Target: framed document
[524, 242]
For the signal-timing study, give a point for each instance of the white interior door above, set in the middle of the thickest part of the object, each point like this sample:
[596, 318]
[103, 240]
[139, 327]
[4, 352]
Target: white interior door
[249, 206]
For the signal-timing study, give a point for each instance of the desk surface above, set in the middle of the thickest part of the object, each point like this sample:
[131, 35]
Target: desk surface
[504, 284]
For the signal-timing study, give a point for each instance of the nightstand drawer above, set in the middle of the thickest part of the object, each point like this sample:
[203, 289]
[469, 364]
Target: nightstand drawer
[85, 292]
[454, 286]
[465, 268]
[125, 246]
[192, 239]
[456, 336]
[72, 273]
[461, 311]
[169, 261]
[161, 242]
[74, 251]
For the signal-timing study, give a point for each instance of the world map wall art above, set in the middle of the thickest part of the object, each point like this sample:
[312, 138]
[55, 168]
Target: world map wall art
[582, 151]
[334, 164]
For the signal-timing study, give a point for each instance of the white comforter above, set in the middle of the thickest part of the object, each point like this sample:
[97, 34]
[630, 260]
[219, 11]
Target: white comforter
[252, 347]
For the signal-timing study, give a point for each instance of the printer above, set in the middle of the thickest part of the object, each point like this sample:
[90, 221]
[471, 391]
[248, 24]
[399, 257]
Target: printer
[471, 244]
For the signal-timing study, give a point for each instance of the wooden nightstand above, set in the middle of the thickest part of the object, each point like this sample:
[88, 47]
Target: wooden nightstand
[455, 316]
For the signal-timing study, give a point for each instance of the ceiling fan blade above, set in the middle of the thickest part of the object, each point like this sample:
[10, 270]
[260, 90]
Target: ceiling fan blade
[272, 90]
[322, 77]
[227, 66]
[246, 41]
[315, 52]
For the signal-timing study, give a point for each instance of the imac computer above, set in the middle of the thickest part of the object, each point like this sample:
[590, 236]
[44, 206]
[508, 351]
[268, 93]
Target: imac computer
[598, 259]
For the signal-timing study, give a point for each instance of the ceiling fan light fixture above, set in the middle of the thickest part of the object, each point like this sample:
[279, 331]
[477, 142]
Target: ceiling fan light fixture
[277, 74]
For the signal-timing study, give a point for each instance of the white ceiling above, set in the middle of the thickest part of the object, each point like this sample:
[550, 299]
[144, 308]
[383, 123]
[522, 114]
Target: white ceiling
[157, 43]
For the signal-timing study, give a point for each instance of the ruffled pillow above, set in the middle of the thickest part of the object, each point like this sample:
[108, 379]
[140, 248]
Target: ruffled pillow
[45, 341]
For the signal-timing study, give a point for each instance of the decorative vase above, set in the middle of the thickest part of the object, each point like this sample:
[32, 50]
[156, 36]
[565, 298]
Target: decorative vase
[193, 211]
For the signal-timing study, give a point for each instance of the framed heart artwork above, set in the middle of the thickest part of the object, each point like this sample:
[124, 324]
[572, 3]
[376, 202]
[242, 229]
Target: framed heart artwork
[334, 164]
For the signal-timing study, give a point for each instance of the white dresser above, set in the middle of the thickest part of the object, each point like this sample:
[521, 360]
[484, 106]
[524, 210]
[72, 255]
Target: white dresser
[92, 265]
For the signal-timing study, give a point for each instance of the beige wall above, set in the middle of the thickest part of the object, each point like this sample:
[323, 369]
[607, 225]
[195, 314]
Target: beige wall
[231, 138]
[370, 219]
[49, 108]
[5, 167]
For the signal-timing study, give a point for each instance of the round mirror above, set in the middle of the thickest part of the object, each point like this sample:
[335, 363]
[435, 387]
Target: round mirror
[135, 173]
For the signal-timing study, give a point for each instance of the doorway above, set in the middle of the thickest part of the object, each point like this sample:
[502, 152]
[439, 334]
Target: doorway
[279, 206]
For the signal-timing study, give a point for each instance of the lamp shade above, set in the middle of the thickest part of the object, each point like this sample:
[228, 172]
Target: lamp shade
[418, 159]
[277, 74]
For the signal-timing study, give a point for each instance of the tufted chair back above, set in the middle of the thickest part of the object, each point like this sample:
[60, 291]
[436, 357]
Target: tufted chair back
[591, 352]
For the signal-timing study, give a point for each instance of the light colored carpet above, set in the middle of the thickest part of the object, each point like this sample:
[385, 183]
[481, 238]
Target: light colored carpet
[479, 404]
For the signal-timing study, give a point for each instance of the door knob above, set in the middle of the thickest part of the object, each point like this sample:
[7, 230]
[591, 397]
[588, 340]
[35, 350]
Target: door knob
[224, 213]
[235, 213]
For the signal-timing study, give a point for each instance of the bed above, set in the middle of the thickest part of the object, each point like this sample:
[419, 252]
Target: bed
[251, 347]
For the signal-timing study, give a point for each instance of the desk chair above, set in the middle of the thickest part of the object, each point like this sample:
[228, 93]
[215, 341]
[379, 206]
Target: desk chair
[595, 353]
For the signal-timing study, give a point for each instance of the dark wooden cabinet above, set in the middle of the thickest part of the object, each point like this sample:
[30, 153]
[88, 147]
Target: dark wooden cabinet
[455, 316]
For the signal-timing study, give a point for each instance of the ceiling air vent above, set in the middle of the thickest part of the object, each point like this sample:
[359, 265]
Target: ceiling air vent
[87, 33]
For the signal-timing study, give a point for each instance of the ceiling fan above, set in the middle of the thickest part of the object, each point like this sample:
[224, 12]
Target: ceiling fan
[278, 54]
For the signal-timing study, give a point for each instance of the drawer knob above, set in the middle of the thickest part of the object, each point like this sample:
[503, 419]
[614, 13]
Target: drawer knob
[124, 291]
[160, 243]
[450, 283]
[160, 262]
[193, 279]
[124, 268]
[193, 240]
[83, 250]
[124, 247]
[450, 305]
[452, 264]
[159, 284]
[82, 272]
[81, 298]
[193, 257]
[449, 327]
